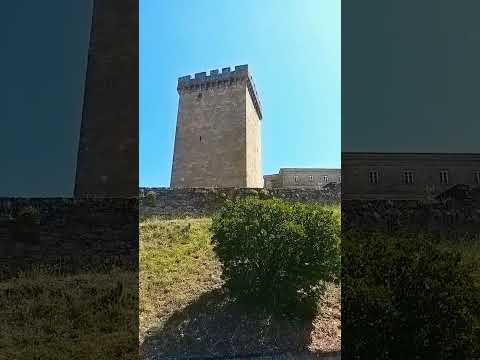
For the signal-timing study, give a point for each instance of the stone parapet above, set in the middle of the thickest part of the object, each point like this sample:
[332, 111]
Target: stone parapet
[227, 77]
[394, 216]
[74, 233]
[204, 201]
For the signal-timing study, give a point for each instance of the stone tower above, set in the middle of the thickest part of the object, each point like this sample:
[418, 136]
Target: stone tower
[217, 140]
[107, 162]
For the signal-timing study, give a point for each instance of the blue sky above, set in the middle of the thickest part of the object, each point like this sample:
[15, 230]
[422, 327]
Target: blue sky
[293, 49]
[42, 67]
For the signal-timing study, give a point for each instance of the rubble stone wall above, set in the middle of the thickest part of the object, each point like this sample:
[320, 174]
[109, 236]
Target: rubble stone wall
[198, 201]
[411, 215]
[75, 231]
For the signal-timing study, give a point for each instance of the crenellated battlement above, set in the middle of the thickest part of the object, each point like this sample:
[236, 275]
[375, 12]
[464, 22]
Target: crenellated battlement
[227, 77]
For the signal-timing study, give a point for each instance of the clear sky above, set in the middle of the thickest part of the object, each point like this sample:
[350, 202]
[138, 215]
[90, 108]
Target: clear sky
[410, 76]
[42, 67]
[293, 49]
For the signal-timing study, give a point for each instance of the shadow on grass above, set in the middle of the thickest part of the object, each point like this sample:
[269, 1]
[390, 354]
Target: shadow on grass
[216, 325]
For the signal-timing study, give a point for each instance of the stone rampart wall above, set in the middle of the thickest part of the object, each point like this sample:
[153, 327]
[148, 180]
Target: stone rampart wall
[201, 201]
[78, 232]
[412, 215]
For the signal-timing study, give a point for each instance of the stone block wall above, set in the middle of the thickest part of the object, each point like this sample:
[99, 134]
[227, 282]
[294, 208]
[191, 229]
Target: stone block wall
[253, 156]
[74, 232]
[210, 138]
[412, 216]
[204, 201]
[217, 139]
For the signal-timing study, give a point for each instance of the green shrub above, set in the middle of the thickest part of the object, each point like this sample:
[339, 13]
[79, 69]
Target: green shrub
[277, 253]
[405, 298]
[150, 199]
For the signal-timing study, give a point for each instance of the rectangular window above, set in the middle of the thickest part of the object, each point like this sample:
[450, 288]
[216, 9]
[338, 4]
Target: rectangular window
[444, 177]
[477, 177]
[310, 177]
[408, 177]
[325, 179]
[373, 177]
[295, 178]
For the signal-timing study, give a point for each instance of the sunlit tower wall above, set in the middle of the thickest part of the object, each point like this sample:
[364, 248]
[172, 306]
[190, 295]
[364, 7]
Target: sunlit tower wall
[218, 133]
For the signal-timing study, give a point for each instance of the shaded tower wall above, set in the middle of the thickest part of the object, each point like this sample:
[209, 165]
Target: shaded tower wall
[217, 140]
[107, 163]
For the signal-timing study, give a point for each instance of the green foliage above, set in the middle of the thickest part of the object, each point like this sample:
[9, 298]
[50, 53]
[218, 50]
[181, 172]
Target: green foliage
[150, 199]
[277, 253]
[406, 298]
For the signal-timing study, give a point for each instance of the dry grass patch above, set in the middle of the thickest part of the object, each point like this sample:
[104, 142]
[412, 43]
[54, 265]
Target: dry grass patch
[177, 265]
[46, 315]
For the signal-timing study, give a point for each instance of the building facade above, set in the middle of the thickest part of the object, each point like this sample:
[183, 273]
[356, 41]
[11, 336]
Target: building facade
[406, 175]
[303, 178]
[217, 139]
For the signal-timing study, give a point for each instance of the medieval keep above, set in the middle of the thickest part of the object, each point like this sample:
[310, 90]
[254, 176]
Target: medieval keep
[217, 140]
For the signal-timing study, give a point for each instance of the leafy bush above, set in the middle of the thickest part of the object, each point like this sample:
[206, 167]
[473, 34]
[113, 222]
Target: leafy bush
[277, 253]
[405, 298]
[150, 199]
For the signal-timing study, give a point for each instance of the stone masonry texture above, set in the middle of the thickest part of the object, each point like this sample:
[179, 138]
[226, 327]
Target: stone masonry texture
[397, 216]
[76, 233]
[453, 212]
[107, 163]
[217, 140]
[204, 201]
[313, 178]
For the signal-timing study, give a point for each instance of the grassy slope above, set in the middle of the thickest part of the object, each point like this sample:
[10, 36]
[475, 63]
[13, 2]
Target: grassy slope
[51, 316]
[178, 267]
